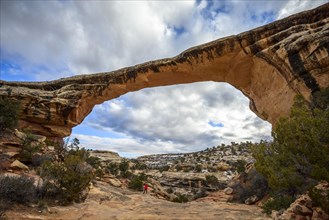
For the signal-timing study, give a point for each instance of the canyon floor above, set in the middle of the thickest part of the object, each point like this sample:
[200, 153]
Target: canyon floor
[108, 202]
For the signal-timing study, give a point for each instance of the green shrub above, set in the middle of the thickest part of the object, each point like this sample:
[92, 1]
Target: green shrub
[320, 99]
[164, 168]
[19, 189]
[198, 168]
[135, 184]
[138, 165]
[169, 190]
[180, 198]
[127, 174]
[60, 150]
[124, 166]
[29, 147]
[39, 159]
[277, 203]
[113, 168]
[233, 150]
[99, 172]
[70, 178]
[186, 169]
[95, 162]
[50, 190]
[178, 167]
[199, 194]
[9, 110]
[211, 179]
[240, 166]
[299, 153]
[42, 204]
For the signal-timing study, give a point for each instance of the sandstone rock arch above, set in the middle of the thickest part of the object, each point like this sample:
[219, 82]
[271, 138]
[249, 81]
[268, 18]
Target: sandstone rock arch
[269, 64]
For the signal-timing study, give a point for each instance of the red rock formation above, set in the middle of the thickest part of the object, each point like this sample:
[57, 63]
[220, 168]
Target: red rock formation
[269, 64]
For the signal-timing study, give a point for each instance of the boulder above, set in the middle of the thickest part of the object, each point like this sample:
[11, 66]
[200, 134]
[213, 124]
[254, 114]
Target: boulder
[158, 189]
[10, 151]
[302, 210]
[39, 138]
[20, 135]
[18, 165]
[223, 166]
[11, 154]
[318, 214]
[228, 191]
[251, 200]
[112, 181]
[115, 182]
[51, 148]
[275, 215]
[247, 185]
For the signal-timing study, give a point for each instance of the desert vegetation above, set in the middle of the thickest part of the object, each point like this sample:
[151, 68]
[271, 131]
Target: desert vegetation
[64, 174]
[298, 157]
[9, 110]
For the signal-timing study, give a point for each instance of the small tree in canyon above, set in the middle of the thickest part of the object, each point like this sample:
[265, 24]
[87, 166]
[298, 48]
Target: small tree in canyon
[9, 110]
[298, 157]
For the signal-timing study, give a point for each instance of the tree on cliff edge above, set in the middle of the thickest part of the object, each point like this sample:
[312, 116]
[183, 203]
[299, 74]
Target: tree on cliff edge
[299, 153]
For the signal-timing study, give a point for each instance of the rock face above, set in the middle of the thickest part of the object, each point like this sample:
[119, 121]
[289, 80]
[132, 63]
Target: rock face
[18, 165]
[106, 156]
[270, 65]
[305, 208]
[248, 187]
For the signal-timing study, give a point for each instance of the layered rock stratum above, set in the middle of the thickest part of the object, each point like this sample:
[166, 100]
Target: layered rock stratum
[269, 64]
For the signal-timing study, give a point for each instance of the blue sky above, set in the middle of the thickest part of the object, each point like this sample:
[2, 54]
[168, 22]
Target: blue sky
[47, 40]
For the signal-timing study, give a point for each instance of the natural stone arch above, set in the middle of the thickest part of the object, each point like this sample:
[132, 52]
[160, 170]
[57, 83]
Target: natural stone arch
[270, 65]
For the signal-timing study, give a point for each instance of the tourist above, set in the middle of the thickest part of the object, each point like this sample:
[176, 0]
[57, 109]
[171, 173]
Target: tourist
[145, 188]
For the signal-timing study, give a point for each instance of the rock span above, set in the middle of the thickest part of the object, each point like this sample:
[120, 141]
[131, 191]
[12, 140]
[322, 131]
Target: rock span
[269, 64]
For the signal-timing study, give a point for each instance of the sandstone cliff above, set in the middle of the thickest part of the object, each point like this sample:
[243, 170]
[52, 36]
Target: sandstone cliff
[269, 64]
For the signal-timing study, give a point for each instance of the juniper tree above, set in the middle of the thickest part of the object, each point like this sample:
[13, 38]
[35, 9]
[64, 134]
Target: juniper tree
[299, 153]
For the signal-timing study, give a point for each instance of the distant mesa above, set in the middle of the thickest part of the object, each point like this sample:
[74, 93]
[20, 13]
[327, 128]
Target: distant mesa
[269, 64]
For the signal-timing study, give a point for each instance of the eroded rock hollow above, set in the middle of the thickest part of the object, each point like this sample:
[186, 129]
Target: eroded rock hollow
[269, 64]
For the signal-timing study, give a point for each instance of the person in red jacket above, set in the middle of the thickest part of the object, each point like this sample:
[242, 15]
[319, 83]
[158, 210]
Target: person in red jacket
[145, 187]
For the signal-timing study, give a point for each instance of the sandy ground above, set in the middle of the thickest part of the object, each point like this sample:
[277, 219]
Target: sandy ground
[107, 202]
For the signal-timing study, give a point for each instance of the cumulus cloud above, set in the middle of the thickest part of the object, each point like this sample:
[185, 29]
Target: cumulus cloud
[76, 37]
[292, 7]
[179, 116]
[46, 40]
[52, 39]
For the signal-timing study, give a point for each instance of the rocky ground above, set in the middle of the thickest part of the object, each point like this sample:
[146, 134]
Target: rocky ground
[108, 202]
[109, 197]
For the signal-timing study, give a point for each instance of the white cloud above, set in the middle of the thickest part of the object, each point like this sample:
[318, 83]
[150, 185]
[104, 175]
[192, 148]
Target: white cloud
[74, 37]
[177, 117]
[295, 6]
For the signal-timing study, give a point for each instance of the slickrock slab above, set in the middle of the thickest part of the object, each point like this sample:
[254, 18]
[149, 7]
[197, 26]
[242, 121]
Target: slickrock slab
[107, 202]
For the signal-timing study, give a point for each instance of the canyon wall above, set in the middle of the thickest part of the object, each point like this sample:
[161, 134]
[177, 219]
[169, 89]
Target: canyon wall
[269, 64]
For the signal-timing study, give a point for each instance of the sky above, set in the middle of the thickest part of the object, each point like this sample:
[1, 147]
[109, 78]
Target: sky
[47, 40]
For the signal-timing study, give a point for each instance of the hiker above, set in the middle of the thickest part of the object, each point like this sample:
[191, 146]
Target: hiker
[145, 187]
